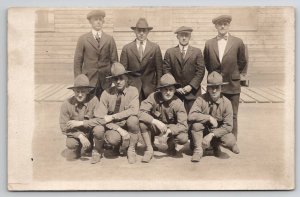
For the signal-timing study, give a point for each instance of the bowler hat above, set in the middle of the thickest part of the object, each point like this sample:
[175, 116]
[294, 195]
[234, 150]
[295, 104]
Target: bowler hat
[117, 69]
[81, 81]
[222, 18]
[142, 24]
[167, 80]
[95, 13]
[215, 79]
[183, 29]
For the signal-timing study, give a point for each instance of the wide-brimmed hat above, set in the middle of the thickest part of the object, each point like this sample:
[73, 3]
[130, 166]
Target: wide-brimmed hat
[222, 18]
[215, 79]
[81, 81]
[167, 80]
[95, 13]
[183, 29]
[118, 69]
[142, 24]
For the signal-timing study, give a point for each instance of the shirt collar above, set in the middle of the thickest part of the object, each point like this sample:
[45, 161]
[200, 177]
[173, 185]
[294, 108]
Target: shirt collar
[123, 92]
[94, 32]
[138, 42]
[185, 47]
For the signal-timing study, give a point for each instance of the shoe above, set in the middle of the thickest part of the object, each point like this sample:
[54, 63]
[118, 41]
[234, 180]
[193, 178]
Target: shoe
[217, 151]
[235, 149]
[147, 156]
[171, 147]
[197, 155]
[131, 156]
[96, 157]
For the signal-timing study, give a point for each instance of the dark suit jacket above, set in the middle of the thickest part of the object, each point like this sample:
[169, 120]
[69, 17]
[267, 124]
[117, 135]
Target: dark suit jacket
[189, 71]
[233, 62]
[150, 67]
[93, 61]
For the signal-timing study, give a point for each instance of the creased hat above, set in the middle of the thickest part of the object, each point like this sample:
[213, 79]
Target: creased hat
[95, 13]
[183, 29]
[215, 79]
[142, 24]
[118, 69]
[167, 80]
[81, 81]
[222, 18]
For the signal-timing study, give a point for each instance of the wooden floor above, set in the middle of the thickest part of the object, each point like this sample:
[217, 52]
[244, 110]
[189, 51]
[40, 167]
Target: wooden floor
[59, 92]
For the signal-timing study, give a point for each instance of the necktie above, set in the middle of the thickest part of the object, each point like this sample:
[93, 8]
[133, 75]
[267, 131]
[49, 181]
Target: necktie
[98, 39]
[118, 103]
[225, 37]
[141, 50]
[182, 53]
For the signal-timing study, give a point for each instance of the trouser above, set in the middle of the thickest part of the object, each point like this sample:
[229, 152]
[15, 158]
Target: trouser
[113, 137]
[149, 131]
[235, 100]
[199, 131]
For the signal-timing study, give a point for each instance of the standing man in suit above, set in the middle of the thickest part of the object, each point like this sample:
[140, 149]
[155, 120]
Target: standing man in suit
[226, 55]
[95, 53]
[144, 57]
[186, 64]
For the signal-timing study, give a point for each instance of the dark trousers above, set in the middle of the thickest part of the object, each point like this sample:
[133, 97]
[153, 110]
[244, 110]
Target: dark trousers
[235, 100]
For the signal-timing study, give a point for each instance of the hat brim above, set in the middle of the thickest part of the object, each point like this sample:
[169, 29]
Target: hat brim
[177, 85]
[134, 28]
[127, 72]
[211, 84]
[80, 87]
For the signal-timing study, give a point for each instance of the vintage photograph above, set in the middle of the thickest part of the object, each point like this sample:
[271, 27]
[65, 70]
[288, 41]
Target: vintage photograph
[151, 98]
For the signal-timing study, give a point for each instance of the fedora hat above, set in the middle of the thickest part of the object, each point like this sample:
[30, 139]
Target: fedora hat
[226, 18]
[142, 24]
[215, 79]
[167, 80]
[81, 81]
[117, 69]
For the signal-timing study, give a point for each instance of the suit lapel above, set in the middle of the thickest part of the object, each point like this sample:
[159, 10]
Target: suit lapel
[102, 40]
[147, 48]
[188, 54]
[92, 41]
[228, 45]
[134, 50]
[216, 48]
[178, 55]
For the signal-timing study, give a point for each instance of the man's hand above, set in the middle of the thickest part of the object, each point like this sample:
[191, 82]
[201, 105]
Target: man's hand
[207, 139]
[213, 121]
[84, 141]
[180, 91]
[167, 133]
[108, 118]
[160, 125]
[74, 123]
[187, 89]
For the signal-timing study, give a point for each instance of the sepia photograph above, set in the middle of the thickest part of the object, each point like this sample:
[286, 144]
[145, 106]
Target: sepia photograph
[151, 98]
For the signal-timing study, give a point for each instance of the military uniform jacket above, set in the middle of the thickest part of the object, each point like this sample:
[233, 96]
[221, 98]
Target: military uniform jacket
[233, 62]
[172, 112]
[187, 71]
[93, 59]
[150, 67]
[221, 110]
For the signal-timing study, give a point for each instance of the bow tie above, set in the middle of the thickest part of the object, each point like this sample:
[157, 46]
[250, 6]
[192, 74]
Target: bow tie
[222, 37]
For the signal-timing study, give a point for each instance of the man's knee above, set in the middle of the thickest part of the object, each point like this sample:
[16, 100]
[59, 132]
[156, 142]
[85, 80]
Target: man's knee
[197, 126]
[72, 143]
[144, 128]
[98, 132]
[113, 137]
[228, 140]
[133, 124]
[181, 138]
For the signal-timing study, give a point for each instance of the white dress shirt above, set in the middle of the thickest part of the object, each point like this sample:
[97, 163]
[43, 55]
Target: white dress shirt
[94, 32]
[184, 48]
[221, 46]
[138, 44]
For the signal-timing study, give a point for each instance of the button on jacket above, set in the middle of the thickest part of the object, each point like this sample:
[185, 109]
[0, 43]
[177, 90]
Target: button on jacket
[172, 112]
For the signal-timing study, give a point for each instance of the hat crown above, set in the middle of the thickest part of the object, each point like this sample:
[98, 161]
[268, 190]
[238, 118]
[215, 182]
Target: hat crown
[142, 23]
[183, 29]
[81, 81]
[221, 18]
[214, 78]
[95, 13]
[167, 79]
[117, 69]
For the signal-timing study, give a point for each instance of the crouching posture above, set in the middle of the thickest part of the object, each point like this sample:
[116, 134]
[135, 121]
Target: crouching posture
[74, 113]
[116, 119]
[212, 117]
[163, 113]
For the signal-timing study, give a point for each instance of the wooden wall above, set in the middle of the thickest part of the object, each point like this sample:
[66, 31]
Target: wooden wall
[263, 33]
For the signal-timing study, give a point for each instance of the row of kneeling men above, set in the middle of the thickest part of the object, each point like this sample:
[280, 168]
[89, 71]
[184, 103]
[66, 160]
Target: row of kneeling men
[115, 121]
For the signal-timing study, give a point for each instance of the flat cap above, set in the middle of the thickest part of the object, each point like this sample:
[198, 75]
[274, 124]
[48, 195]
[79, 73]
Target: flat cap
[95, 13]
[222, 18]
[183, 29]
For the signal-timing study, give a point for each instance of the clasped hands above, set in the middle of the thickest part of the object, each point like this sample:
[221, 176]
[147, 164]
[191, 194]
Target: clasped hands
[162, 127]
[185, 90]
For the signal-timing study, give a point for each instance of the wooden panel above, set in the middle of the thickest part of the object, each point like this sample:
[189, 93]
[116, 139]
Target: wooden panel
[270, 97]
[246, 99]
[274, 93]
[255, 96]
[52, 90]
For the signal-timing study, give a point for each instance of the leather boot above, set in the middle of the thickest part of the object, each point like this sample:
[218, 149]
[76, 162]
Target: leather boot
[197, 140]
[149, 150]
[131, 155]
[97, 151]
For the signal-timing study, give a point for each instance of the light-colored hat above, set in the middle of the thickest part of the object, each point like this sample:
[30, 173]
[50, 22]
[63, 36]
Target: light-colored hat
[215, 79]
[142, 24]
[167, 80]
[81, 81]
[183, 29]
[226, 18]
[117, 69]
[95, 13]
